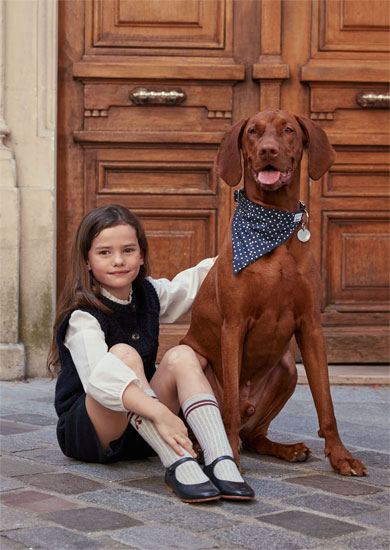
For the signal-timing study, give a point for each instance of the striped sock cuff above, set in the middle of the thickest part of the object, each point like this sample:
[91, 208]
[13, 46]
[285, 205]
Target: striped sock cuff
[196, 401]
[135, 420]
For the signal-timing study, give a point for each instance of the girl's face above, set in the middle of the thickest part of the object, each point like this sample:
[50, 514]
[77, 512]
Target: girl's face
[115, 259]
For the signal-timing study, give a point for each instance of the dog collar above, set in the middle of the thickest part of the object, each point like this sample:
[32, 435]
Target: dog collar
[256, 230]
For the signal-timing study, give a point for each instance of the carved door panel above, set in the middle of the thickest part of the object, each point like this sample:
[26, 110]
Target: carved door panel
[145, 96]
[147, 90]
[348, 74]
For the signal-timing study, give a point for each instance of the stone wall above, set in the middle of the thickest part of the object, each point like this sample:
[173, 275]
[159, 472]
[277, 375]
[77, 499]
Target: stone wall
[28, 79]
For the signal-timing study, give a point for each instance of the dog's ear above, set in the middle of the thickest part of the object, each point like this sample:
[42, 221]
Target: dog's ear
[320, 152]
[229, 155]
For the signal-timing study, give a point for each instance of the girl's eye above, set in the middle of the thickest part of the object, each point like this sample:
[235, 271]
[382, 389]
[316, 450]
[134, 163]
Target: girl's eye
[104, 252]
[128, 250]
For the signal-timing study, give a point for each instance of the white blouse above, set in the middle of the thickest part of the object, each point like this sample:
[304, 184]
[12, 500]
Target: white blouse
[103, 375]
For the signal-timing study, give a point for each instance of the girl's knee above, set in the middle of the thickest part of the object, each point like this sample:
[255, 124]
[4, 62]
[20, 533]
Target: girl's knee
[181, 356]
[128, 355]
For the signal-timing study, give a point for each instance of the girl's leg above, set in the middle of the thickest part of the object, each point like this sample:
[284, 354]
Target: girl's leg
[180, 380]
[187, 473]
[179, 376]
[109, 424]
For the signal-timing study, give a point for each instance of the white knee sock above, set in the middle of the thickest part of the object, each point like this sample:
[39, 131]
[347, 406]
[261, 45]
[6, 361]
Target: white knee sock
[189, 472]
[203, 416]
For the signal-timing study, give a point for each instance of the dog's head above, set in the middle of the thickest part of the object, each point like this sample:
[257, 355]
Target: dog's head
[272, 143]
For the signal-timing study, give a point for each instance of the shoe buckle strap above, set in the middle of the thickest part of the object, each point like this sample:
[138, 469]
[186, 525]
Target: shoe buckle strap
[173, 466]
[218, 459]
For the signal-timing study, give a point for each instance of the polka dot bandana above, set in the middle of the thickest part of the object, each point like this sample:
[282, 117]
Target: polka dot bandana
[257, 230]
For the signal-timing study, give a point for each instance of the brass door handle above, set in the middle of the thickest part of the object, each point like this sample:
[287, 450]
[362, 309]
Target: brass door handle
[143, 96]
[373, 99]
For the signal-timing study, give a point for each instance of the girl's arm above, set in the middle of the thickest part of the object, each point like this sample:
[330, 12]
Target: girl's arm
[177, 296]
[86, 343]
[170, 427]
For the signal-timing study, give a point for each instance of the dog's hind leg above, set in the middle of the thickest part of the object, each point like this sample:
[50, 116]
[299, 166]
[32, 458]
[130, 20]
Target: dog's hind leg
[272, 393]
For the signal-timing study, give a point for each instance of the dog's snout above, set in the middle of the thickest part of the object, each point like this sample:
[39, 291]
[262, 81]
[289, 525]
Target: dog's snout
[269, 150]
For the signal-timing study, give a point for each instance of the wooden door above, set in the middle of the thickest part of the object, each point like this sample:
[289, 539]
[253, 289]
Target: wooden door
[145, 96]
[147, 90]
[347, 75]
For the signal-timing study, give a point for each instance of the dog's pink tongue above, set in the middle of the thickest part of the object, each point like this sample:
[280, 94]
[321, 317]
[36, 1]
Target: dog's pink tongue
[268, 176]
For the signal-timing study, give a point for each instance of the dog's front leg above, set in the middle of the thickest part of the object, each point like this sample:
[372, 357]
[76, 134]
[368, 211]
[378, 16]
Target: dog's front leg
[311, 342]
[232, 337]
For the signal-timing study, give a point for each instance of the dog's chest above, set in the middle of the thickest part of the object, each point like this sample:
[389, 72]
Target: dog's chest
[274, 280]
[272, 306]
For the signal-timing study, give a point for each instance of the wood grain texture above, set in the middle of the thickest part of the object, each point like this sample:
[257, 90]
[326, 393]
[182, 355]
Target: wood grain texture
[230, 58]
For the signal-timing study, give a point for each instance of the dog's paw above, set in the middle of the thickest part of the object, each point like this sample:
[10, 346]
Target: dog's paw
[343, 462]
[294, 452]
[349, 466]
[298, 452]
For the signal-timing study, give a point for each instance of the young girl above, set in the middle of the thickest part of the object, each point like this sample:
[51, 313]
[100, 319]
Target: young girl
[111, 401]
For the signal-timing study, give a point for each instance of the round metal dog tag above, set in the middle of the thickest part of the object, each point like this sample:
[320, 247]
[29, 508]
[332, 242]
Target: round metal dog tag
[303, 235]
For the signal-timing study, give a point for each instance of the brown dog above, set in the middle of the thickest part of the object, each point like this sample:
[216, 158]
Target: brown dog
[243, 323]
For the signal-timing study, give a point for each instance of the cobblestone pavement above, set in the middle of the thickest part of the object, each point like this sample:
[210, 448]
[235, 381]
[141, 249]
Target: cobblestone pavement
[50, 501]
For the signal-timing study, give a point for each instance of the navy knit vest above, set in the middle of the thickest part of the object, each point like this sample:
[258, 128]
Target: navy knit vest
[136, 324]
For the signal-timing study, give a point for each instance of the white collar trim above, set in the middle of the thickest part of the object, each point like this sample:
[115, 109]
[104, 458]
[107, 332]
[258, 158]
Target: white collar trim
[107, 294]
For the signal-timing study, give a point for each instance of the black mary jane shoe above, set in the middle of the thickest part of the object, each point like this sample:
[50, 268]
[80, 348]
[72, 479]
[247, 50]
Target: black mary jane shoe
[198, 492]
[239, 490]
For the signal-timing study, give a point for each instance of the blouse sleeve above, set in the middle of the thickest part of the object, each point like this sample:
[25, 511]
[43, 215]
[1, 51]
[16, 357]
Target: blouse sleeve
[177, 296]
[103, 375]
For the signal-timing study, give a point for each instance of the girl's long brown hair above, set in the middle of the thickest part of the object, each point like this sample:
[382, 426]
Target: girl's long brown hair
[81, 288]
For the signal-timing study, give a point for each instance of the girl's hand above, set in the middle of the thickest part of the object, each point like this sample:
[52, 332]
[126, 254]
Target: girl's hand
[173, 431]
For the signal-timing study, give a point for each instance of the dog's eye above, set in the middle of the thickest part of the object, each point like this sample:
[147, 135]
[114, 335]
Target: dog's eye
[288, 129]
[252, 131]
